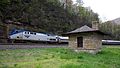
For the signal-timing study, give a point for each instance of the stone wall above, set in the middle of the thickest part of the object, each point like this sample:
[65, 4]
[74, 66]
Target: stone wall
[73, 42]
[91, 41]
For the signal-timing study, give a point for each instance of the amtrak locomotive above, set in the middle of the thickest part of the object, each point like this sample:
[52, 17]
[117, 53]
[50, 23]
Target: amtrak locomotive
[35, 36]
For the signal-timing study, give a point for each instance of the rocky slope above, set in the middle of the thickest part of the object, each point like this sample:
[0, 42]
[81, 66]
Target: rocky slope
[116, 21]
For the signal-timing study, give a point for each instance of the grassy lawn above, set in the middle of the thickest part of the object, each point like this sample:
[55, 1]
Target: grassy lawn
[59, 58]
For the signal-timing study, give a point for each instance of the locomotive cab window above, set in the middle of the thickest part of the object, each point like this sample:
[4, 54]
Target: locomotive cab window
[26, 32]
[32, 33]
[16, 31]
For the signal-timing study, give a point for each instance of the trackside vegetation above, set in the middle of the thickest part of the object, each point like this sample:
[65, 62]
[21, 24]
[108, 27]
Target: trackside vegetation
[109, 57]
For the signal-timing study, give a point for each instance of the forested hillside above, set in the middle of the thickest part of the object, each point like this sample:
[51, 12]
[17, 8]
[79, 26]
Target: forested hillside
[111, 28]
[49, 15]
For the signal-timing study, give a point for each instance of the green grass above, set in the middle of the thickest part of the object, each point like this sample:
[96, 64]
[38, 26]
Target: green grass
[109, 57]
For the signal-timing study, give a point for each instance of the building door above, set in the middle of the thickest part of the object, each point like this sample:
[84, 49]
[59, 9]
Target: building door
[79, 41]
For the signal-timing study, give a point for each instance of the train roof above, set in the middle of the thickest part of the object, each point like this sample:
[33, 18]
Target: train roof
[110, 40]
[15, 31]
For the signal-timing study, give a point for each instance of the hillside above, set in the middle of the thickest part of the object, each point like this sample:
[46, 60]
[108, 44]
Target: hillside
[112, 28]
[47, 15]
[116, 21]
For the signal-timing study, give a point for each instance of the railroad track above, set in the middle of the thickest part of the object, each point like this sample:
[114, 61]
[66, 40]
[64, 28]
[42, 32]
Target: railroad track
[29, 46]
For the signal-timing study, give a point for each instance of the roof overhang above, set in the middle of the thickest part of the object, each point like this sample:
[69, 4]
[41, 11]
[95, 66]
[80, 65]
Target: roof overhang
[96, 31]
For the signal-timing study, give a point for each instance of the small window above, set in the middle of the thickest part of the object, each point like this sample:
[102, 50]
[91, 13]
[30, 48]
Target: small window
[17, 36]
[26, 32]
[52, 39]
[34, 33]
[31, 33]
[16, 31]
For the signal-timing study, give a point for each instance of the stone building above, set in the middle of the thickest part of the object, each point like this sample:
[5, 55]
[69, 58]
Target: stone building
[86, 39]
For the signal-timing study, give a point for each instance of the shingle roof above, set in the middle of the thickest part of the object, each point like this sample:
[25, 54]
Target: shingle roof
[83, 29]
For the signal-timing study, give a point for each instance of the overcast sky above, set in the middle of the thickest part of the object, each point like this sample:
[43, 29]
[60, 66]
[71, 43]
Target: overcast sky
[107, 9]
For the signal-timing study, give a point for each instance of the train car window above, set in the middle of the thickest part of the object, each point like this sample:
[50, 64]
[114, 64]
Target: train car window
[31, 33]
[52, 39]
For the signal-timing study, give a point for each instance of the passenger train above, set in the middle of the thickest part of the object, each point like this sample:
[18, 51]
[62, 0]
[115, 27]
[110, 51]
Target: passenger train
[44, 37]
[35, 36]
[110, 42]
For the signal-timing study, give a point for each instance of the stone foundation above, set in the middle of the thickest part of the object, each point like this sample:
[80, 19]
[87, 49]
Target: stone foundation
[91, 51]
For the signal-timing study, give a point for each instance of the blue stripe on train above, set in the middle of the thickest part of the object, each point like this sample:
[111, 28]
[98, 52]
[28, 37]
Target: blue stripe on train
[15, 31]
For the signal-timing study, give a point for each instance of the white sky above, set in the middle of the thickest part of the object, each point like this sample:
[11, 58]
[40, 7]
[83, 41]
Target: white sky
[107, 9]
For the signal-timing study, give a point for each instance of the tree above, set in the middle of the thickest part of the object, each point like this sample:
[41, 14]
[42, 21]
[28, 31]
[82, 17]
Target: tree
[79, 2]
[48, 15]
[112, 29]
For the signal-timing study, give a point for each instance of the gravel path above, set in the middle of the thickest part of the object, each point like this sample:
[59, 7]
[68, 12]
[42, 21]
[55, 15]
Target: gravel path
[4, 47]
